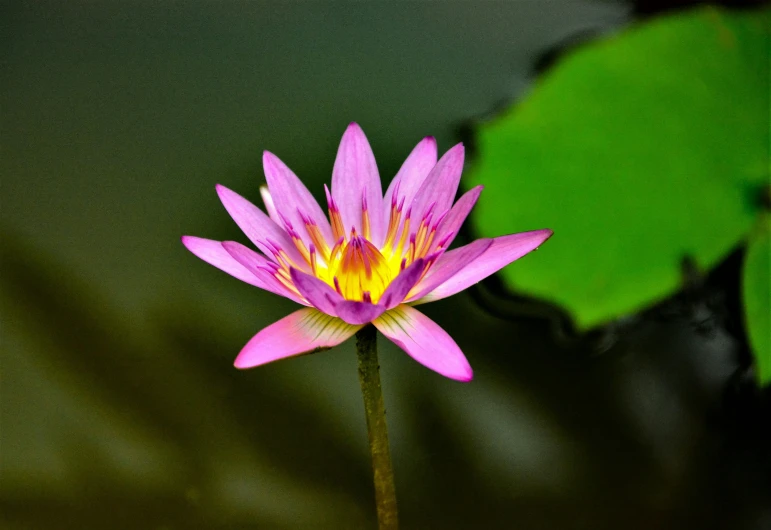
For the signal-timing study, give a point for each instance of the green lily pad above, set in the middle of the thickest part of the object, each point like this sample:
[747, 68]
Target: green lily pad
[639, 151]
[756, 287]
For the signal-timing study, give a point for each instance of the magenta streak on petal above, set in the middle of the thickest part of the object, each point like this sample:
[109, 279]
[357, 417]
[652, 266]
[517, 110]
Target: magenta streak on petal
[353, 176]
[503, 251]
[453, 220]
[358, 312]
[445, 241]
[440, 186]
[397, 291]
[439, 220]
[290, 196]
[424, 341]
[257, 265]
[411, 175]
[318, 293]
[428, 214]
[448, 265]
[257, 226]
[303, 331]
[212, 253]
[328, 195]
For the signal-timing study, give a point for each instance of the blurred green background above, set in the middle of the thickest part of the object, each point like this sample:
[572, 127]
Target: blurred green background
[120, 406]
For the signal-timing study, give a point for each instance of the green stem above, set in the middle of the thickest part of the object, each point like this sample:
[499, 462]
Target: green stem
[369, 377]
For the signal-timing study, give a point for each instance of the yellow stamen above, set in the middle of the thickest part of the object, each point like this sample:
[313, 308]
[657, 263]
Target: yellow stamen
[393, 225]
[421, 235]
[283, 277]
[362, 269]
[423, 249]
[411, 250]
[403, 239]
[337, 224]
[302, 248]
[365, 222]
[313, 260]
[281, 258]
[318, 240]
[335, 219]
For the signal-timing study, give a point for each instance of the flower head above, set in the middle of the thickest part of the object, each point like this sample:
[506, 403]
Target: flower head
[373, 259]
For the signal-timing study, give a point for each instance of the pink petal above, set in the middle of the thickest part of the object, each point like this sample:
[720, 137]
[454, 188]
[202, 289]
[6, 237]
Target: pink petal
[413, 172]
[260, 267]
[304, 331]
[424, 341]
[292, 199]
[213, 254]
[457, 214]
[397, 291]
[440, 186]
[355, 178]
[503, 251]
[318, 293]
[257, 226]
[448, 266]
[358, 312]
[270, 207]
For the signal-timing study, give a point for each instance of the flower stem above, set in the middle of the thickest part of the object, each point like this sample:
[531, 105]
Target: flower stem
[369, 377]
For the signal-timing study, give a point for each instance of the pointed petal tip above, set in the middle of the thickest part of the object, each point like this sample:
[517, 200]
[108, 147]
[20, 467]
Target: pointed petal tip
[241, 364]
[268, 158]
[353, 132]
[455, 154]
[546, 233]
[464, 377]
[222, 191]
[463, 373]
[192, 243]
[429, 141]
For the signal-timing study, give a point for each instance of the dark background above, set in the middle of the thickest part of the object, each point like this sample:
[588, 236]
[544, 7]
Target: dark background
[120, 407]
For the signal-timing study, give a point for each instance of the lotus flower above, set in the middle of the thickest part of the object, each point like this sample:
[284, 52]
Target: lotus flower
[372, 260]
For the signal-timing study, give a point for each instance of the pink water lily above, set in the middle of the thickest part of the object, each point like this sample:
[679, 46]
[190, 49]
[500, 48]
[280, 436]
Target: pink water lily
[372, 260]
